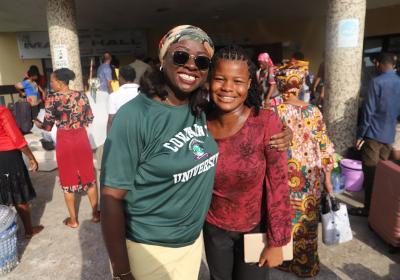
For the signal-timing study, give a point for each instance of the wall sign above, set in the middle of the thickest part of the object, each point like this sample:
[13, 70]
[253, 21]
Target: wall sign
[60, 57]
[91, 43]
[348, 32]
[33, 45]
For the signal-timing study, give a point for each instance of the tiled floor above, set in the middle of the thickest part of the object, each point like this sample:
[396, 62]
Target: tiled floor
[63, 253]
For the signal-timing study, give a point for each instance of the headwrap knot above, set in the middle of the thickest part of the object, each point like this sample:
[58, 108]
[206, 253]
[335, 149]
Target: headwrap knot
[264, 57]
[290, 77]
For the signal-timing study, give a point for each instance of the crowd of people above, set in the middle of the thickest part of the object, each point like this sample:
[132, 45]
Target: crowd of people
[202, 149]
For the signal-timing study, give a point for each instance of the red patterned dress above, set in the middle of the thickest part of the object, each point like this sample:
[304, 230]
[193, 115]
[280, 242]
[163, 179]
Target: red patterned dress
[310, 154]
[71, 113]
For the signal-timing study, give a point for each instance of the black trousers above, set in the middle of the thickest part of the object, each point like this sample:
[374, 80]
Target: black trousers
[225, 255]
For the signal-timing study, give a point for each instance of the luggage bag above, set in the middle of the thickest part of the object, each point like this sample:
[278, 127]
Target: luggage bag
[23, 116]
[384, 214]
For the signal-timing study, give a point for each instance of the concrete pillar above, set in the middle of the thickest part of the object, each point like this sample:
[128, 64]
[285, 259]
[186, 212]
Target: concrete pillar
[63, 35]
[343, 60]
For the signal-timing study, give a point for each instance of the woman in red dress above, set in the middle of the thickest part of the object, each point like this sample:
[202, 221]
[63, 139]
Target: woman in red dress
[70, 111]
[15, 185]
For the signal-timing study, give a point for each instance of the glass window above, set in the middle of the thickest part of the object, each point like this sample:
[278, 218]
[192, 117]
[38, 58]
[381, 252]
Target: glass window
[373, 45]
[394, 44]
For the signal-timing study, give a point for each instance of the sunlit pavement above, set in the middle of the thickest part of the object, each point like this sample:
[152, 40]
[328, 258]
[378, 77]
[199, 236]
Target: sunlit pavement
[63, 253]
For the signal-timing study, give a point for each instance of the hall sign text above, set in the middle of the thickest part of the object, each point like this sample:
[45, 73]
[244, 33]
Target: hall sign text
[91, 43]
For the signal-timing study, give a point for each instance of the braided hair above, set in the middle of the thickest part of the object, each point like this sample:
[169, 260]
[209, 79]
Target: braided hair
[234, 52]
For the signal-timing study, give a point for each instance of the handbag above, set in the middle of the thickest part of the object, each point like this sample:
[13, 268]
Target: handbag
[336, 225]
[48, 145]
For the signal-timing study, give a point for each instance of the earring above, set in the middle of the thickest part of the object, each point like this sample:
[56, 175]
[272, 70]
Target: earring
[161, 68]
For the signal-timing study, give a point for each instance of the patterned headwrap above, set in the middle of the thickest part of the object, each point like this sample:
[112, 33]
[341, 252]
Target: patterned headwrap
[290, 77]
[265, 58]
[184, 32]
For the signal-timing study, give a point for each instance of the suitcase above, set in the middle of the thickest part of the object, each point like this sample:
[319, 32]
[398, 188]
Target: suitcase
[23, 116]
[384, 213]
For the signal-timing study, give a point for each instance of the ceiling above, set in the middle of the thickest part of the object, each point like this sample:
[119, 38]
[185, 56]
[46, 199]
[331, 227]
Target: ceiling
[30, 15]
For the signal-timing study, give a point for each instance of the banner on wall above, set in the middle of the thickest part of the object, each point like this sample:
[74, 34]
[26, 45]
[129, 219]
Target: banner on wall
[33, 45]
[91, 43]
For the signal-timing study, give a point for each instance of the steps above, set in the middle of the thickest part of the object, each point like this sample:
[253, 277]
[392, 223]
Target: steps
[46, 159]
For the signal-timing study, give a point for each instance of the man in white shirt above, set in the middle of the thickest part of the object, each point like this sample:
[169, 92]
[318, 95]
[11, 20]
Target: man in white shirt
[126, 92]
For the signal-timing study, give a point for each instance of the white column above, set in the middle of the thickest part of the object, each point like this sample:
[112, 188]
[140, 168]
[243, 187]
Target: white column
[343, 61]
[63, 35]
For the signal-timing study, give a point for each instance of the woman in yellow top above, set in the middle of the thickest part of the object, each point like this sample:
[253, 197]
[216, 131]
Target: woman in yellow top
[114, 73]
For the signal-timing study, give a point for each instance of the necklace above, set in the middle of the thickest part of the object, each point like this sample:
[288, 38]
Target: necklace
[167, 101]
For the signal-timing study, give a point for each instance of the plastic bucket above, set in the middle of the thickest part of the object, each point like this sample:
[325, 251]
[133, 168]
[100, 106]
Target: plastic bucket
[8, 249]
[8, 240]
[353, 174]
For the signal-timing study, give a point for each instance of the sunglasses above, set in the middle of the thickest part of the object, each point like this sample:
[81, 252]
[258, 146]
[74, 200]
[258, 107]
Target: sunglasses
[181, 58]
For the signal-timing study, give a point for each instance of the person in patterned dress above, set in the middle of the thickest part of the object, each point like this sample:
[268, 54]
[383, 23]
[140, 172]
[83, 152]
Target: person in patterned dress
[310, 160]
[70, 111]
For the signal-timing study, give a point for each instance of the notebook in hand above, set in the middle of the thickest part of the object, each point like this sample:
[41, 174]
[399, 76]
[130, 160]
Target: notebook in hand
[254, 244]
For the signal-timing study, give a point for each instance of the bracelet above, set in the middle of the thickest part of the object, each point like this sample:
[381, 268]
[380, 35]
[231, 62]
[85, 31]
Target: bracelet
[119, 276]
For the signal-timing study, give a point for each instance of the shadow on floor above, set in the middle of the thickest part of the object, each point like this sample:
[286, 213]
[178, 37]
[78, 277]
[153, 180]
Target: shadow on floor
[357, 196]
[43, 183]
[360, 272]
[362, 232]
[95, 264]
[95, 261]
[324, 274]
[275, 274]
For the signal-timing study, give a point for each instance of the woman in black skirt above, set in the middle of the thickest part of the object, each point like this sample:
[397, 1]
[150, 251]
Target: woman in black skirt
[15, 185]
